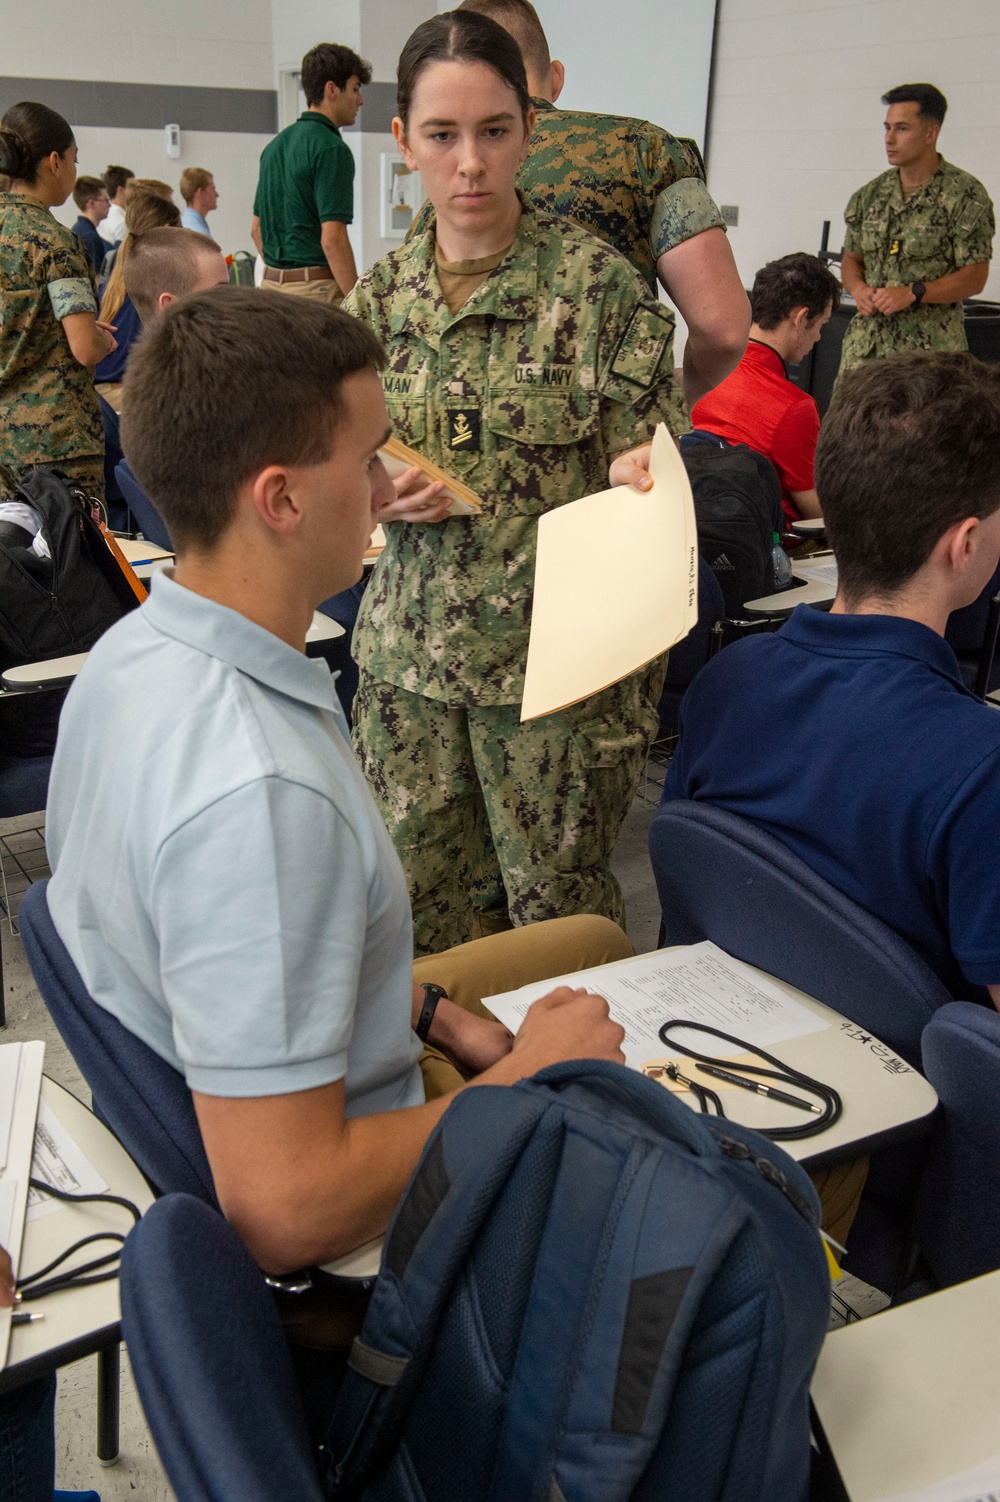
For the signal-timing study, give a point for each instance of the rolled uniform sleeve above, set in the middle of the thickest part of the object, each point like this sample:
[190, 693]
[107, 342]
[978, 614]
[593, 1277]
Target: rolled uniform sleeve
[69, 278]
[243, 961]
[635, 368]
[852, 218]
[975, 226]
[683, 210]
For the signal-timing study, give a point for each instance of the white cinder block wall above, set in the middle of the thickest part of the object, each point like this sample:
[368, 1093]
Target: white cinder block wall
[796, 118]
[201, 43]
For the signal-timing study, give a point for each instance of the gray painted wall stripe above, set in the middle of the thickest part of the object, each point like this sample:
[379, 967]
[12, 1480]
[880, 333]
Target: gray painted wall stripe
[148, 106]
[377, 110]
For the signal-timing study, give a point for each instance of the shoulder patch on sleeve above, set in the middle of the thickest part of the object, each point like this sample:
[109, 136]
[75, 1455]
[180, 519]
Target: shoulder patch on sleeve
[647, 337]
[972, 213]
[683, 210]
[71, 294]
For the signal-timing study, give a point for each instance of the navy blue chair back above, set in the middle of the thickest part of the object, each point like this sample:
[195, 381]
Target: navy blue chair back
[144, 1101]
[148, 519]
[689, 656]
[958, 1210]
[719, 877]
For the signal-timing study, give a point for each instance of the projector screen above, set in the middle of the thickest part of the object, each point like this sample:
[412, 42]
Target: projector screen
[648, 58]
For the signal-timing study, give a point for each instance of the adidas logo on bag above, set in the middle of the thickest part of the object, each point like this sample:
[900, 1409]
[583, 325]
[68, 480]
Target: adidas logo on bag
[722, 562]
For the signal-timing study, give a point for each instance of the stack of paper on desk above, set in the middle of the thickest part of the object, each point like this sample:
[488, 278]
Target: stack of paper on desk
[397, 458]
[20, 1084]
[696, 983]
[616, 584]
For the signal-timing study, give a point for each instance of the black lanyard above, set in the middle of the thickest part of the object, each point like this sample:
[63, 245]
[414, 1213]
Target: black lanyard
[39, 1285]
[782, 1074]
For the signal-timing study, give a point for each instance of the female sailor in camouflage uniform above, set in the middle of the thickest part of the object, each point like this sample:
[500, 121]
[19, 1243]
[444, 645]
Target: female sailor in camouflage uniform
[49, 333]
[523, 356]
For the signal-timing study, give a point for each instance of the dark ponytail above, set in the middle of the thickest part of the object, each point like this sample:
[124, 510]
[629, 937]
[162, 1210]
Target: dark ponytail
[460, 36]
[29, 133]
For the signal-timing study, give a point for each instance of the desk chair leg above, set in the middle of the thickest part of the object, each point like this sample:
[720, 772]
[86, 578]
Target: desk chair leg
[108, 1404]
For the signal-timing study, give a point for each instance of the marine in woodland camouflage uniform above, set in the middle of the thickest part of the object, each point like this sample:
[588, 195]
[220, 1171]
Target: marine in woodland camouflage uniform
[558, 361]
[628, 182]
[947, 223]
[47, 398]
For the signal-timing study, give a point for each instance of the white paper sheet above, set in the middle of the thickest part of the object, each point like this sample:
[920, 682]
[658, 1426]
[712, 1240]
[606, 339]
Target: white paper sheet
[10, 1059]
[8, 1201]
[16, 1170]
[981, 1483]
[698, 982]
[60, 1162]
[616, 585]
[822, 572]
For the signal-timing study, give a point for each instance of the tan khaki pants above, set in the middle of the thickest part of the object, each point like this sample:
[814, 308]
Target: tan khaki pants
[560, 946]
[327, 290]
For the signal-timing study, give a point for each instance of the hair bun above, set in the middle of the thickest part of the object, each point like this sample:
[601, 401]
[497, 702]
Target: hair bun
[15, 157]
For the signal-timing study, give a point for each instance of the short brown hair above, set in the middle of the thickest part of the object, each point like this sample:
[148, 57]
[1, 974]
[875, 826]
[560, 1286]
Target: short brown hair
[330, 62]
[86, 188]
[795, 281]
[227, 382]
[929, 100]
[136, 185]
[520, 18]
[116, 178]
[460, 36]
[193, 178]
[164, 260]
[909, 446]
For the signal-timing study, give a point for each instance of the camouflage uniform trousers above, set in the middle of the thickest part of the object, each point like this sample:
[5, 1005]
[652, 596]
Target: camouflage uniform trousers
[88, 473]
[552, 793]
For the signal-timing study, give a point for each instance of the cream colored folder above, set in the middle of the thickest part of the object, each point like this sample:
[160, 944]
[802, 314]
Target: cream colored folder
[397, 457]
[616, 584]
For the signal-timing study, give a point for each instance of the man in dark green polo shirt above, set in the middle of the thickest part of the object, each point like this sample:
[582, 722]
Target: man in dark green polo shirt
[305, 192]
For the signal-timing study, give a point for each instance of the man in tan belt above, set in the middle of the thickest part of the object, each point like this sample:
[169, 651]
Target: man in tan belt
[305, 192]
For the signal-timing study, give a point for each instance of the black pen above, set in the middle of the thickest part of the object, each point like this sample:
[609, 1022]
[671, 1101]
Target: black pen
[25, 1318]
[760, 1089]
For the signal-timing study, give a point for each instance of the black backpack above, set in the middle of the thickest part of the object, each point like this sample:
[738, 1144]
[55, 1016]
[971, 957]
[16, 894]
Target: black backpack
[737, 506]
[53, 607]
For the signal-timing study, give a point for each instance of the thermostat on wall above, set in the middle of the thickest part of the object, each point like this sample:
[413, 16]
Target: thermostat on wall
[173, 140]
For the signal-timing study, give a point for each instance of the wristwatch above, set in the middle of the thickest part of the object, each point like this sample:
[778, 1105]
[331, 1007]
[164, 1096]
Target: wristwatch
[918, 289]
[432, 995]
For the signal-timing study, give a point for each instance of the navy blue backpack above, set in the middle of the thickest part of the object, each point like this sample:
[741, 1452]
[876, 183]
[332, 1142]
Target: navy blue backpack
[588, 1293]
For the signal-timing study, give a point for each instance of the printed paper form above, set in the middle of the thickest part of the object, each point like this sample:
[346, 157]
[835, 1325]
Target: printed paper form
[698, 982]
[981, 1483]
[616, 585]
[17, 1169]
[60, 1162]
[822, 571]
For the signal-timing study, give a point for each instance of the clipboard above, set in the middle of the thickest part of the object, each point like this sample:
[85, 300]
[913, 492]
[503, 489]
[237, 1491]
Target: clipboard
[616, 585]
[397, 457]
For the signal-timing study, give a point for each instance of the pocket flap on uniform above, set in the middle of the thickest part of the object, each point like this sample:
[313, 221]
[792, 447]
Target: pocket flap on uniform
[542, 416]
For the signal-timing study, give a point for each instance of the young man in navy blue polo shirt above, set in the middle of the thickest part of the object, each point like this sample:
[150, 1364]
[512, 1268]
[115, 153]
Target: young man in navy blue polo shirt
[850, 736]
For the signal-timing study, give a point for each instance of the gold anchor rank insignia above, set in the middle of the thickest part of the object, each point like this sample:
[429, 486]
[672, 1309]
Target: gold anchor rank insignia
[463, 430]
[895, 248]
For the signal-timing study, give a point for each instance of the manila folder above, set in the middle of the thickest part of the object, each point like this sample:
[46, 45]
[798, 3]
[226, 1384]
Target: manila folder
[616, 584]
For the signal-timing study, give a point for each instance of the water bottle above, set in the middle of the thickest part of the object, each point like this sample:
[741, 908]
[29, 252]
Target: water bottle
[781, 564]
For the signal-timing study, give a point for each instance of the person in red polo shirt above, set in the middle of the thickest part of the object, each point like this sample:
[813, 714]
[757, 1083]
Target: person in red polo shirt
[757, 404]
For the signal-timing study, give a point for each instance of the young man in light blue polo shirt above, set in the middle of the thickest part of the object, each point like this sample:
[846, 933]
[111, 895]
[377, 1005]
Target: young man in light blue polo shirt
[850, 736]
[221, 877]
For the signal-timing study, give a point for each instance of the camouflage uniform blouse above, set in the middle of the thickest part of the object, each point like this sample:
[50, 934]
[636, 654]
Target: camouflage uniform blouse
[559, 361]
[946, 224]
[628, 182]
[47, 397]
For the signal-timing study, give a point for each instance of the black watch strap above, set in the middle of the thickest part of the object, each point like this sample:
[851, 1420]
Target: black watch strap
[432, 995]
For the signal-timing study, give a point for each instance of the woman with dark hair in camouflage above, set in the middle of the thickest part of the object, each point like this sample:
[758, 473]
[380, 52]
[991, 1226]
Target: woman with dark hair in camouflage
[523, 356]
[50, 336]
